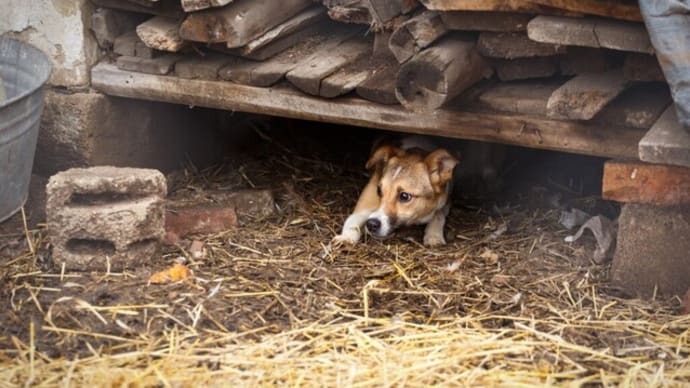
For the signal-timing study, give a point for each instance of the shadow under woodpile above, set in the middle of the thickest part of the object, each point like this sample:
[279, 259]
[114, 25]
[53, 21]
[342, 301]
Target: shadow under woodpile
[507, 301]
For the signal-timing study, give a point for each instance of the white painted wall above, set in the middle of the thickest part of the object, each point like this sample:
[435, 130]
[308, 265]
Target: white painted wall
[60, 29]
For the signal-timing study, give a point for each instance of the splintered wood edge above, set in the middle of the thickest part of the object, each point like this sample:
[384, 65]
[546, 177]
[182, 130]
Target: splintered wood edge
[639, 182]
[523, 130]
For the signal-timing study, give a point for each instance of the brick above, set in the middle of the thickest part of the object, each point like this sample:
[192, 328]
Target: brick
[526, 68]
[217, 211]
[105, 216]
[667, 141]
[510, 45]
[637, 182]
[652, 250]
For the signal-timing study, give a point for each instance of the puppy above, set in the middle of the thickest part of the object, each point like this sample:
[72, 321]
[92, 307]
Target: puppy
[410, 185]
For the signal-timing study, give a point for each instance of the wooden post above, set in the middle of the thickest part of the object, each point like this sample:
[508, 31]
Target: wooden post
[239, 22]
[439, 73]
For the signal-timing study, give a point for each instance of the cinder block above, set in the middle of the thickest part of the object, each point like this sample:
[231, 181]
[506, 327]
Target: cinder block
[104, 216]
[652, 250]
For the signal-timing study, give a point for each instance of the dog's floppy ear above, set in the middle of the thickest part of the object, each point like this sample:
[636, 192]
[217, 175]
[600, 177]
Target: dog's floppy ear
[441, 164]
[381, 155]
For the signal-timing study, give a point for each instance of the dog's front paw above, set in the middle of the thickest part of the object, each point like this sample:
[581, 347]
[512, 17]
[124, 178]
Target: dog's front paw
[346, 238]
[434, 240]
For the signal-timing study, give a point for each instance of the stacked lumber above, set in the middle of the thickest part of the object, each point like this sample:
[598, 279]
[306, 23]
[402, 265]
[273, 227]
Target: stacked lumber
[588, 60]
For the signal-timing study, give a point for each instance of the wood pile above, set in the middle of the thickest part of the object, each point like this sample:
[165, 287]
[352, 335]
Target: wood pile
[563, 59]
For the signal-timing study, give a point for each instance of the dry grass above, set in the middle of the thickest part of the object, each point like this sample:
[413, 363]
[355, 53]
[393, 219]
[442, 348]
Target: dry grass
[270, 304]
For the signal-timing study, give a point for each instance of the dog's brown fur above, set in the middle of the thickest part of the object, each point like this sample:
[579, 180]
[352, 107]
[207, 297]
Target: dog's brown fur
[408, 186]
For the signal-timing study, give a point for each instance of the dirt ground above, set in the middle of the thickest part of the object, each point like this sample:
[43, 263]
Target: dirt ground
[506, 302]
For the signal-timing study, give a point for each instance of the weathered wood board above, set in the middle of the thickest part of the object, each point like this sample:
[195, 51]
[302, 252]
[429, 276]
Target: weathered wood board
[307, 75]
[379, 87]
[511, 45]
[667, 141]
[160, 65]
[525, 68]
[642, 67]
[161, 33]
[239, 22]
[590, 32]
[198, 67]
[579, 60]
[530, 131]
[416, 34]
[639, 106]
[584, 96]
[526, 97]
[197, 5]
[486, 21]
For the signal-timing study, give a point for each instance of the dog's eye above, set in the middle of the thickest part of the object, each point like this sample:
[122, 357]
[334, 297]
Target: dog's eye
[378, 191]
[404, 197]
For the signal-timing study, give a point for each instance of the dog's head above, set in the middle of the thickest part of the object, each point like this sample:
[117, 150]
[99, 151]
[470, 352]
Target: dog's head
[412, 186]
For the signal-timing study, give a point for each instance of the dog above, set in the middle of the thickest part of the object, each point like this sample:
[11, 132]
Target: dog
[410, 184]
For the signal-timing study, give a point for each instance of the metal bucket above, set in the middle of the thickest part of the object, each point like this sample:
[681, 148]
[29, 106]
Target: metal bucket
[23, 71]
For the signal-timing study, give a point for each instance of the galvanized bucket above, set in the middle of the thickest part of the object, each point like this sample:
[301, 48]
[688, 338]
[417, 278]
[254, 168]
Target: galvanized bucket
[23, 71]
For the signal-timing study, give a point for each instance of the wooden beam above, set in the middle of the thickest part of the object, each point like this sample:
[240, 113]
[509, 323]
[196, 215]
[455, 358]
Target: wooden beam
[239, 22]
[483, 5]
[529, 131]
[511, 45]
[486, 21]
[638, 182]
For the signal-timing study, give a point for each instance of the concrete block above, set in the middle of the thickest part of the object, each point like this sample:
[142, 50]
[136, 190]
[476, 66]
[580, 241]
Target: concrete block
[105, 216]
[83, 129]
[652, 250]
[667, 141]
[58, 29]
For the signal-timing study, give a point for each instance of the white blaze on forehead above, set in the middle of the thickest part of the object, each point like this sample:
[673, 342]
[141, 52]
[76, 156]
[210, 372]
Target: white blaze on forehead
[397, 172]
[385, 228]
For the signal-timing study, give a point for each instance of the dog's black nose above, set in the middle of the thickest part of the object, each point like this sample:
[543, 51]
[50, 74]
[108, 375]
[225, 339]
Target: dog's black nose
[373, 225]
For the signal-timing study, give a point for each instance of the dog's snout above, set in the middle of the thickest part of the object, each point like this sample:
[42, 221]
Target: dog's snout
[373, 225]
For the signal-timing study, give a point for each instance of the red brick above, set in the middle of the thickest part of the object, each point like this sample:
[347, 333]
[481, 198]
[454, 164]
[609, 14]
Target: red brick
[638, 182]
[201, 219]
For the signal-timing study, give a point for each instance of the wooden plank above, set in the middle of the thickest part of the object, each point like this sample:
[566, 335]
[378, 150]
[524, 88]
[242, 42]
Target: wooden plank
[307, 75]
[170, 8]
[486, 21]
[667, 141]
[525, 68]
[343, 81]
[197, 5]
[380, 86]
[160, 65]
[416, 34]
[530, 131]
[284, 35]
[511, 45]
[638, 182]
[161, 33]
[584, 96]
[484, 5]
[607, 8]
[439, 73]
[198, 67]
[526, 97]
[126, 44]
[590, 32]
[107, 24]
[349, 11]
[273, 70]
[638, 107]
[642, 67]
[239, 22]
